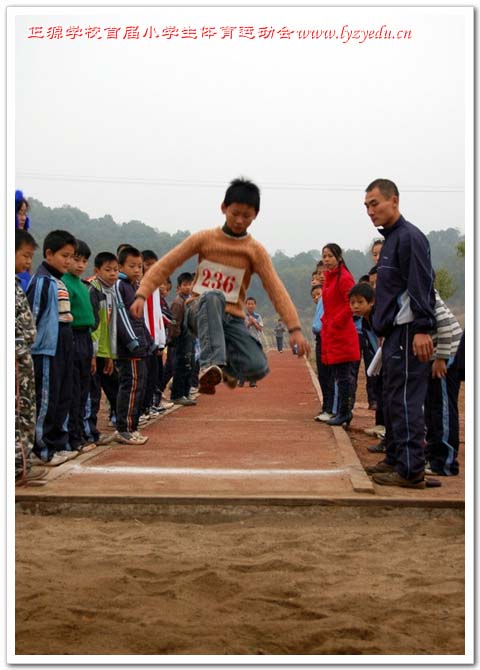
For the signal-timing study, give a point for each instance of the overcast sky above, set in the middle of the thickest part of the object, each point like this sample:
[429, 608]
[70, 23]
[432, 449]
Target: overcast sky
[153, 129]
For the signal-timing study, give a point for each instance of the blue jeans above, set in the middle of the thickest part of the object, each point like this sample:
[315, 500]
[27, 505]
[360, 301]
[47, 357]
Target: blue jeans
[224, 339]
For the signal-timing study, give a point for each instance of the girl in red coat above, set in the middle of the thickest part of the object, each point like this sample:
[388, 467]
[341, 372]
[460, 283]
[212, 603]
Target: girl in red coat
[340, 347]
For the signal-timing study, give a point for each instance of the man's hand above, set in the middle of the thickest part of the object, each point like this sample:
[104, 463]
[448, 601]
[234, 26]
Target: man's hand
[422, 347]
[297, 338]
[136, 308]
[439, 368]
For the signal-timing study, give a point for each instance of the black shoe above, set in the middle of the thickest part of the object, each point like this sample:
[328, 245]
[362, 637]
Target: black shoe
[377, 448]
[340, 420]
[253, 385]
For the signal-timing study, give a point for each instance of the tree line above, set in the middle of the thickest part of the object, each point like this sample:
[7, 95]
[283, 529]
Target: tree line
[104, 234]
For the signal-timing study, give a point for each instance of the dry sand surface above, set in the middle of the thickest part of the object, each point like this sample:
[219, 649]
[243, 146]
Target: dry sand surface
[304, 581]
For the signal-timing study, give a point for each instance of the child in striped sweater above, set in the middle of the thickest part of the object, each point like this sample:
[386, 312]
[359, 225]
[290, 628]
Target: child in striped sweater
[441, 402]
[227, 258]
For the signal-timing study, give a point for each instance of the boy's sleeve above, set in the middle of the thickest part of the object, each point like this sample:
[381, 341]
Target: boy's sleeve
[37, 296]
[444, 330]
[164, 267]
[175, 328]
[125, 333]
[95, 302]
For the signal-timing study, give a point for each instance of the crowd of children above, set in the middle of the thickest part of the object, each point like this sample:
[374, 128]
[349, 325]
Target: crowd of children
[344, 333]
[78, 337]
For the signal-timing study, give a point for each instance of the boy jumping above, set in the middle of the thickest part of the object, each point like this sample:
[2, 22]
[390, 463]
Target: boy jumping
[227, 258]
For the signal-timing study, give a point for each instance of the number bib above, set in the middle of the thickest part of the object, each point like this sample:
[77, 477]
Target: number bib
[224, 278]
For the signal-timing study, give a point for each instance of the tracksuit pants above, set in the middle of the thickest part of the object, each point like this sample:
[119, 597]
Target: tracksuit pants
[53, 394]
[441, 420]
[405, 382]
[132, 377]
[183, 367]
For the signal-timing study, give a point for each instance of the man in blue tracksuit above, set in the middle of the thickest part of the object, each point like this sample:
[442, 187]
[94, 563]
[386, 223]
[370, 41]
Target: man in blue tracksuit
[404, 317]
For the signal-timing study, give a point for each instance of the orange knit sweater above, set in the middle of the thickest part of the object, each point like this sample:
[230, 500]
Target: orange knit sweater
[224, 259]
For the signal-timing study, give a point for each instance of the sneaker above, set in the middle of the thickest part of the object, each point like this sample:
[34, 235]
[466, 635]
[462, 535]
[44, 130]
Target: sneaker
[376, 431]
[35, 476]
[105, 438]
[429, 471]
[229, 379]
[141, 438]
[324, 416]
[126, 438]
[145, 418]
[193, 390]
[253, 385]
[56, 459]
[377, 448]
[241, 384]
[186, 402]
[155, 411]
[69, 455]
[380, 467]
[394, 479]
[165, 404]
[90, 447]
[208, 378]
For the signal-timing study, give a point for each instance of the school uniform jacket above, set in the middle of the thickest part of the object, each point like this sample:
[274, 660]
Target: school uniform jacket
[339, 335]
[133, 338]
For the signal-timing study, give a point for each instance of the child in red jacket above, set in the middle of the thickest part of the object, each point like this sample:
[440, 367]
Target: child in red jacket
[340, 347]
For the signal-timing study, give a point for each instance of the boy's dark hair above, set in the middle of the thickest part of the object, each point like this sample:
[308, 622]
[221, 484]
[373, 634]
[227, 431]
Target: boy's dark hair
[83, 250]
[124, 245]
[250, 297]
[244, 192]
[104, 257]
[363, 279]
[314, 273]
[377, 242]
[24, 239]
[362, 290]
[386, 187]
[373, 271]
[126, 251]
[149, 255]
[56, 240]
[184, 276]
[314, 287]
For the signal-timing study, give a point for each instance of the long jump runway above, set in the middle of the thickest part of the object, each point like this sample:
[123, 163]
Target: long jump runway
[249, 445]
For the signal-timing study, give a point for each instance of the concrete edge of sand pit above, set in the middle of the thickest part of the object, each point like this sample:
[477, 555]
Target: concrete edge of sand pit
[195, 508]
[358, 477]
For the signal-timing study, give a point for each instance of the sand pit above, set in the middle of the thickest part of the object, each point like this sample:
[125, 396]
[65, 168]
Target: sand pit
[313, 581]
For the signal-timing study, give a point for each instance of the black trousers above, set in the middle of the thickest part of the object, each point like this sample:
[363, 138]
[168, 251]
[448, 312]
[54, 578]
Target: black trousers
[81, 374]
[53, 394]
[183, 366]
[98, 382]
[405, 382]
[441, 420]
